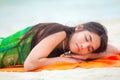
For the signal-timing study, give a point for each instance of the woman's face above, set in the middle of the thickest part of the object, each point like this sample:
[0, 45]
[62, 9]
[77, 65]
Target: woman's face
[84, 42]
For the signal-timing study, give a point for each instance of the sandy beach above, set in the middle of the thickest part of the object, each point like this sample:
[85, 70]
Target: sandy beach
[73, 74]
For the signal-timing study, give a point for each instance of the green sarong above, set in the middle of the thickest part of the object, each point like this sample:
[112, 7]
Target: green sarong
[12, 53]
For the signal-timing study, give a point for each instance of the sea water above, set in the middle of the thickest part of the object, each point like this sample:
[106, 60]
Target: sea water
[17, 14]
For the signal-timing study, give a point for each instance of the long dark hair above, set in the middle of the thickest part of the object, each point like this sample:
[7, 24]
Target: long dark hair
[100, 30]
[42, 30]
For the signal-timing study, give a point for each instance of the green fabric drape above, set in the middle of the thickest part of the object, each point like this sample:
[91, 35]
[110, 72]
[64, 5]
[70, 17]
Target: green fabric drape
[11, 52]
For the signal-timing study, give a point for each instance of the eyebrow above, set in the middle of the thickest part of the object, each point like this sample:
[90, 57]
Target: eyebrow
[91, 41]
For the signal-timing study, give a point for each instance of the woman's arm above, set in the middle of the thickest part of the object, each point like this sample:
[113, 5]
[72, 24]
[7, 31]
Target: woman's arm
[37, 57]
[109, 51]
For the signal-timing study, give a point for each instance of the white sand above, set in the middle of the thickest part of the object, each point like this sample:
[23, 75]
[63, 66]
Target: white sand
[73, 74]
[79, 73]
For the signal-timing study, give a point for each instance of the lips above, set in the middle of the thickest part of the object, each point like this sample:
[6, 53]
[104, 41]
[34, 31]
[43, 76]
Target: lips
[78, 48]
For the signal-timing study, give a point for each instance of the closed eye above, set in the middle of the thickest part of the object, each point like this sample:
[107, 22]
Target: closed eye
[89, 38]
[86, 38]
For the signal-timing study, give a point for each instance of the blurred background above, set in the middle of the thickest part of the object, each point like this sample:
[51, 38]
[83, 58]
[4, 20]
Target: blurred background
[18, 14]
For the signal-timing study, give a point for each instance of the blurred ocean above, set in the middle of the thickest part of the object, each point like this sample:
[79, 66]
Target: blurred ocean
[17, 14]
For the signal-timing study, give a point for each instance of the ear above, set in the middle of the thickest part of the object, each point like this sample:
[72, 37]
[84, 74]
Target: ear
[79, 27]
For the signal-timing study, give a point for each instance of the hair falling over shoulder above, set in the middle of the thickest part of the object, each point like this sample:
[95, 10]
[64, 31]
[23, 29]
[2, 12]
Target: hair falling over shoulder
[42, 30]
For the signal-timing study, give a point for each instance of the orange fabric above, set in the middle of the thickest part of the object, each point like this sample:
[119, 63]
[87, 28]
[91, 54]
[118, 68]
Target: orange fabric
[111, 61]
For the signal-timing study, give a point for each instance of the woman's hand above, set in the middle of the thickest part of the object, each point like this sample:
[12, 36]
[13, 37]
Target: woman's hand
[70, 59]
[79, 57]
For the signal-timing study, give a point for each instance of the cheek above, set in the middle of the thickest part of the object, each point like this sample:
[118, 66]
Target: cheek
[80, 39]
[72, 47]
[84, 51]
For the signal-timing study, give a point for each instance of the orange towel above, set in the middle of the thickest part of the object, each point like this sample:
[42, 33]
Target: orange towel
[111, 61]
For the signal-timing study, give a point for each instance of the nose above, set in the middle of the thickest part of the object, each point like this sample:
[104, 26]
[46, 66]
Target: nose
[85, 45]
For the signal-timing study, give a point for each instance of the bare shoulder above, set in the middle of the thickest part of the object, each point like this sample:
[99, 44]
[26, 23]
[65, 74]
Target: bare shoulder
[46, 45]
[61, 34]
[53, 39]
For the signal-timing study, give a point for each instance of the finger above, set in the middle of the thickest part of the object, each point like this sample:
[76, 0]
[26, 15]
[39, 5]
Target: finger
[69, 56]
[80, 60]
[78, 56]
